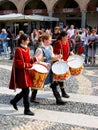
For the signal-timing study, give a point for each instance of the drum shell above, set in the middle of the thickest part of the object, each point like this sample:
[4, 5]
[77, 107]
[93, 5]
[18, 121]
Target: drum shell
[38, 78]
[78, 68]
[61, 77]
[76, 71]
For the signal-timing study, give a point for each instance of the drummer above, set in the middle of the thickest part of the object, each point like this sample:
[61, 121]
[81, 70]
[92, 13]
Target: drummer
[45, 54]
[20, 75]
[61, 46]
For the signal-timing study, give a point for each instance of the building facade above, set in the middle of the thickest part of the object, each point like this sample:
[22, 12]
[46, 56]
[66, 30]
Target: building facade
[81, 13]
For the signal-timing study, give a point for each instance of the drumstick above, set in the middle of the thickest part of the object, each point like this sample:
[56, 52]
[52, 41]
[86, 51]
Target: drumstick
[73, 58]
[60, 51]
[70, 60]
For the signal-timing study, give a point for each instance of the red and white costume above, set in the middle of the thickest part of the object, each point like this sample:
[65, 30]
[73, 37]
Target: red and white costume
[20, 75]
[62, 48]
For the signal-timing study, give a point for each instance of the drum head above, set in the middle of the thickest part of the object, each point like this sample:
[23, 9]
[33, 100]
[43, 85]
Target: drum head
[40, 68]
[75, 61]
[60, 67]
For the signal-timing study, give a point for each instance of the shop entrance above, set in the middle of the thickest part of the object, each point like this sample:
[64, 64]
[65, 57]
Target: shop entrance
[76, 23]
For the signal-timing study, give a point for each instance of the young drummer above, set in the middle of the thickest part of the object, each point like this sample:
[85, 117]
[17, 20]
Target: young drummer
[20, 76]
[45, 53]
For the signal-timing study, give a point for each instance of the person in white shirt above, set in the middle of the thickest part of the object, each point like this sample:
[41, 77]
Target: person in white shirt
[83, 36]
[70, 31]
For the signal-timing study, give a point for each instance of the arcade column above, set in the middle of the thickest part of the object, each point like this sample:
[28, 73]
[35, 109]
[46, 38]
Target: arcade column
[83, 18]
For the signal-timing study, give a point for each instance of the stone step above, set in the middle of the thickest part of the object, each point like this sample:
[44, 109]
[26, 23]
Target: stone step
[75, 119]
[89, 121]
[49, 95]
[80, 120]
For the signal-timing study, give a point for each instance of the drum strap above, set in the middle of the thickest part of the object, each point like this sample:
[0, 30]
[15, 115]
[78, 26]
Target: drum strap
[61, 50]
[46, 54]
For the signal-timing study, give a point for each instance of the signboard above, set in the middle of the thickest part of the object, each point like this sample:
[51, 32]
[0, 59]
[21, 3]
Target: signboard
[67, 10]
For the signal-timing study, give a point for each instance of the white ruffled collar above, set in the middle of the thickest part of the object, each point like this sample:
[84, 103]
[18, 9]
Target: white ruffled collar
[24, 46]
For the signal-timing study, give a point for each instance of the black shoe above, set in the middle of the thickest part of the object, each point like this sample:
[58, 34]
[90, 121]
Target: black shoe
[60, 102]
[65, 95]
[14, 104]
[34, 101]
[11, 58]
[28, 112]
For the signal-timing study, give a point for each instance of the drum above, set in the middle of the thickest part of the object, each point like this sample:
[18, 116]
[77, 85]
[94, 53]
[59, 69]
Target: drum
[60, 71]
[38, 73]
[75, 64]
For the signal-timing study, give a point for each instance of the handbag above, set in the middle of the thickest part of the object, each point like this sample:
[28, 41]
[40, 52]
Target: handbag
[80, 49]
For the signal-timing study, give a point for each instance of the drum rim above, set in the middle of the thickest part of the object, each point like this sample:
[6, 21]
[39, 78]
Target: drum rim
[80, 58]
[59, 62]
[37, 70]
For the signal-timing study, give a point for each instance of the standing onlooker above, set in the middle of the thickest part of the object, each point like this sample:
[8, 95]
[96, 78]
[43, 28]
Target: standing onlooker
[34, 39]
[18, 36]
[40, 34]
[70, 31]
[92, 46]
[11, 44]
[55, 35]
[0, 47]
[3, 39]
[83, 36]
[76, 41]
[20, 76]
[87, 34]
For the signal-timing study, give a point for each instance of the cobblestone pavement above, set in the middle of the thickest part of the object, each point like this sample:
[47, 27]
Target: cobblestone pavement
[84, 86]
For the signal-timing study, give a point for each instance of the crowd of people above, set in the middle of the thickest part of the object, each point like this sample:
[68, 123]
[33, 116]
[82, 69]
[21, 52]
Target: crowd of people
[86, 37]
[48, 48]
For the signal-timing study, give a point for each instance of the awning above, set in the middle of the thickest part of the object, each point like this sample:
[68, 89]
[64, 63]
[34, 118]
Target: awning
[43, 18]
[22, 18]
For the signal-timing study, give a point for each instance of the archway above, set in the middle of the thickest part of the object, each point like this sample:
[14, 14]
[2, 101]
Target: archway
[7, 7]
[35, 7]
[68, 11]
[38, 7]
[92, 13]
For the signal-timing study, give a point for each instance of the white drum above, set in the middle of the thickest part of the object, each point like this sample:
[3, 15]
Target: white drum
[75, 64]
[60, 71]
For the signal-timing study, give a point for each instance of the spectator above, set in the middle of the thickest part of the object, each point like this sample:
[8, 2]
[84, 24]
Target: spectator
[4, 41]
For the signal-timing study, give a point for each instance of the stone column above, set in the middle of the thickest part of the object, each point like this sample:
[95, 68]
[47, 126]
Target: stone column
[51, 14]
[83, 18]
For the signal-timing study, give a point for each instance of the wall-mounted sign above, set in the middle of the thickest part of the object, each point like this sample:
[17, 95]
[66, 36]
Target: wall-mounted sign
[67, 10]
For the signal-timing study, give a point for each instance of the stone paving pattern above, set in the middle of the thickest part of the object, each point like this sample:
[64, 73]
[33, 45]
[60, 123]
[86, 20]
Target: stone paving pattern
[84, 84]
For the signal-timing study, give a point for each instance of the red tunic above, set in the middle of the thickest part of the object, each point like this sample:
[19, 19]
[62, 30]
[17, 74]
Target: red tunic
[61, 48]
[20, 75]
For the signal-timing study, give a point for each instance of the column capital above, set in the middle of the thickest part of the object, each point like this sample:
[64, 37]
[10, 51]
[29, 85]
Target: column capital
[84, 10]
[50, 13]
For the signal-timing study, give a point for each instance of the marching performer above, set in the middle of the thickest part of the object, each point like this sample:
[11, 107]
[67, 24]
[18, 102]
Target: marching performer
[45, 54]
[61, 46]
[20, 76]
